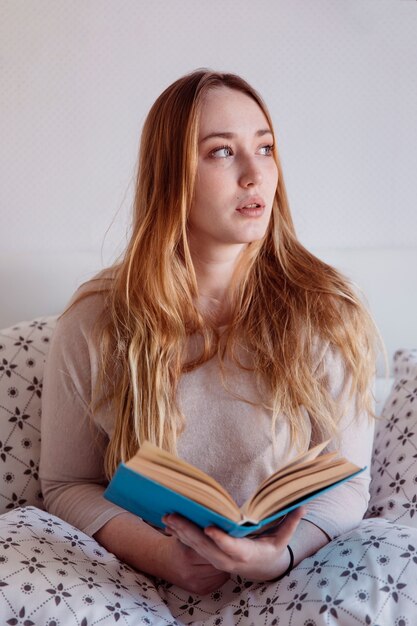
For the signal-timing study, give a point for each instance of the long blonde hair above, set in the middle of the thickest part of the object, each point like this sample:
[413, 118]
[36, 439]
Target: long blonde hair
[285, 300]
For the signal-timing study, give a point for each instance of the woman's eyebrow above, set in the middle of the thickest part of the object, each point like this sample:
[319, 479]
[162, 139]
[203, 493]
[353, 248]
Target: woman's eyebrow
[225, 135]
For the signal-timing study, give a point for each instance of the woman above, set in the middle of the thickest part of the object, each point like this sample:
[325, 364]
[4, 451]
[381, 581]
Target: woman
[218, 336]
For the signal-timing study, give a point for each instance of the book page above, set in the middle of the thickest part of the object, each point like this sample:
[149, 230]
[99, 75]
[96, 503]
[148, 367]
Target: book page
[209, 493]
[304, 457]
[286, 475]
[293, 489]
[307, 471]
[162, 458]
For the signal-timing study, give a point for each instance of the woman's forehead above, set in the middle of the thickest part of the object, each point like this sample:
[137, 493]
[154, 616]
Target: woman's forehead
[229, 110]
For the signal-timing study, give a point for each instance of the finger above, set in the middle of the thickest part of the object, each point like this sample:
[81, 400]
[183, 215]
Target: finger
[235, 548]
[192, 536]
[179, 524]
[283, 533]
[189, 544]
[188, 533]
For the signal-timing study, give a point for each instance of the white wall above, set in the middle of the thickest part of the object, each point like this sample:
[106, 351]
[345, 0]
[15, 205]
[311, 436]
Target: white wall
[340, 78]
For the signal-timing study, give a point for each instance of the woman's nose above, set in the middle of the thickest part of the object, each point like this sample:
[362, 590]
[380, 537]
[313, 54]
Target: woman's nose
[250, 174]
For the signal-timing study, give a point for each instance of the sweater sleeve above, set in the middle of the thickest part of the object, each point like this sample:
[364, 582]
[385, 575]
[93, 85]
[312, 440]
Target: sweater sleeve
[342, 508]
[73, 443]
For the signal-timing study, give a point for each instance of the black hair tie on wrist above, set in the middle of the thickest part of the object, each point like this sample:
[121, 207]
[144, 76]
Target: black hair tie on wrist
[288, 570]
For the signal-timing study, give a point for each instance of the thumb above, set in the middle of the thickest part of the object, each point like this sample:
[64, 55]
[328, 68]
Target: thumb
[283, 533]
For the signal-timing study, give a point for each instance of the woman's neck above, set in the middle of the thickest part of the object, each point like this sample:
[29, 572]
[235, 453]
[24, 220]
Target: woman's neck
[214, 271]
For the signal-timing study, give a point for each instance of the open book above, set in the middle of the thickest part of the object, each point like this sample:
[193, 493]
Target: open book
[155, 482]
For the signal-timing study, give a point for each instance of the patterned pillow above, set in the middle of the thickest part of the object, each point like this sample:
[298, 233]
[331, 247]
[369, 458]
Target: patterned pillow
[52, 574]
[394, 462]
[22, 355]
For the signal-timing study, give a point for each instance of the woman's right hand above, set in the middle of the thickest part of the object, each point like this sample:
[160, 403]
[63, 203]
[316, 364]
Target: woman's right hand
[188, 569]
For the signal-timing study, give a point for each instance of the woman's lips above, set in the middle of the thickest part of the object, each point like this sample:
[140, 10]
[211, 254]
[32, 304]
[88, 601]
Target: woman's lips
[252, 210]
[252, 206]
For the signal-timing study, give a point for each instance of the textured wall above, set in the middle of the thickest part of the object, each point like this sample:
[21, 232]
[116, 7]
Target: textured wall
[78, 78]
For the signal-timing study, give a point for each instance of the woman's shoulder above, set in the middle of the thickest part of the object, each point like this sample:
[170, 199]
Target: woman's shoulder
[98, 285]
[87, 306]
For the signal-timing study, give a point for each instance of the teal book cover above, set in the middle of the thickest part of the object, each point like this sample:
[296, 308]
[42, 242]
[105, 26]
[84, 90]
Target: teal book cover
[151, 501]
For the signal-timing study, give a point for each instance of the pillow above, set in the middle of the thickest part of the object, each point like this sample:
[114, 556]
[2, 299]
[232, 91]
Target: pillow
[405, 364]
[394, 462]
[23, 350]
[52, 574]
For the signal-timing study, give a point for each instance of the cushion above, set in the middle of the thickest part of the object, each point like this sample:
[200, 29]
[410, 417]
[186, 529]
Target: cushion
[53, 574]
[22, 355]
[405, 364]
[394, 462]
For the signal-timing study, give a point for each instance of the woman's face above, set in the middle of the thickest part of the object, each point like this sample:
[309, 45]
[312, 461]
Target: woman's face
[236, 176]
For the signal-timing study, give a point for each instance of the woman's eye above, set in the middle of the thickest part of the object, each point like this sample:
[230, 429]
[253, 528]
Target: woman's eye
[267, 150]
[222, 152]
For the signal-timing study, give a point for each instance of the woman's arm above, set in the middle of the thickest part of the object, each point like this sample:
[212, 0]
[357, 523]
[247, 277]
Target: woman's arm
[341, 509]
[72, 453]
[150, 551]
[73, 443]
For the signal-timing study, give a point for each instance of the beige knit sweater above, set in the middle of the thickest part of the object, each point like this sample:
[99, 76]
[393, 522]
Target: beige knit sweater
[224, 435]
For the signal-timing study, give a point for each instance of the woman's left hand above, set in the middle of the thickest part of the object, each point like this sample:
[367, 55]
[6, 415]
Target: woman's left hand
[261, 558]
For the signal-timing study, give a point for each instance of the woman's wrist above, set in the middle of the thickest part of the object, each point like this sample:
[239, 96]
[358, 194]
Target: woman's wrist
[289, 568]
